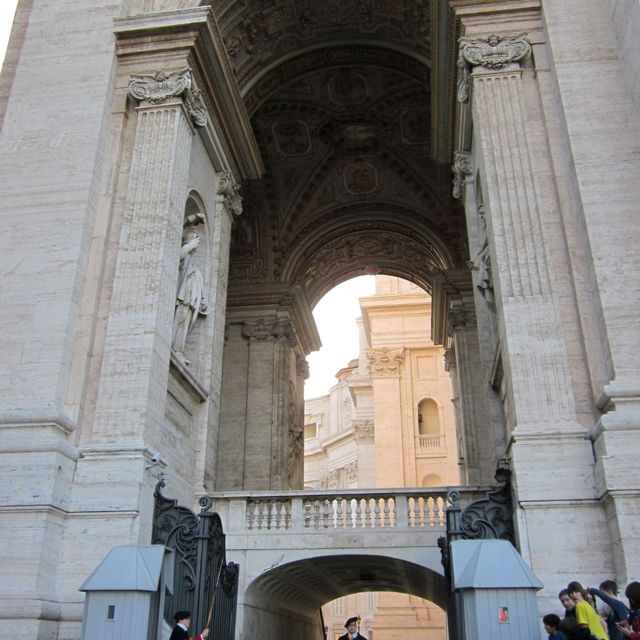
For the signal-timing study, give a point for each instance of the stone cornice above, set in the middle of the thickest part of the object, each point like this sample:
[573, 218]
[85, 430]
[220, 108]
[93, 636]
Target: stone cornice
[175, 40]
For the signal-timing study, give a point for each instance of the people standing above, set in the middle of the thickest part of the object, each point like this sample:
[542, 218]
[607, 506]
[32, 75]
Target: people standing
[614, 610]
[631, 627]
[568, 604]
[181, 630]
[351, 625]
[586, 615]
[551, 624]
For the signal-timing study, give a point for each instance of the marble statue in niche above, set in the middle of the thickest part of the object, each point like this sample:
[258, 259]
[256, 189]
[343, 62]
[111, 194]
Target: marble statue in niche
[190, 300]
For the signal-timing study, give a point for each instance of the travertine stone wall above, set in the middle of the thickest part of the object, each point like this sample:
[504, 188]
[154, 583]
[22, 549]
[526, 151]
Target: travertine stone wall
[51, 167]
[593, 53]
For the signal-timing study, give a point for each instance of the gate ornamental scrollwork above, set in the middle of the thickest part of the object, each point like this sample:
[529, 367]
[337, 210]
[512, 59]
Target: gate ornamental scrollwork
[204, 583]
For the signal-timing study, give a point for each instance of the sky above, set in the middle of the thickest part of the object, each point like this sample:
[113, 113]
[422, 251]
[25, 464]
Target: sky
[335, 317]
[335, 314]
[7, 9]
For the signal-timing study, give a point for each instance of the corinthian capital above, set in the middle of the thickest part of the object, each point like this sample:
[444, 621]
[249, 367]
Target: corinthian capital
[229, 189]
[492, 52]
[161, 86]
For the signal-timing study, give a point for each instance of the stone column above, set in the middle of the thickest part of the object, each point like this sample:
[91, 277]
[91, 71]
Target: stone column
[385, 366]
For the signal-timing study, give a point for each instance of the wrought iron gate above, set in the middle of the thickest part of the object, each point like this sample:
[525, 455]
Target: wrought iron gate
[204, 583]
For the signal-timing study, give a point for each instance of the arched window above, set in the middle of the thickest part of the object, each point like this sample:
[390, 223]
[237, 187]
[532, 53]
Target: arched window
[428, 418]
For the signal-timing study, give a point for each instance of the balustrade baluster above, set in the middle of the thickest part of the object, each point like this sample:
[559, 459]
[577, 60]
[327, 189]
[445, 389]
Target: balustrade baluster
[443, 515]
[368, 521]
[416, 512]
[327, 508]
[387, 513]
[274, 515]
[436, 512]
[358, 521]
[350, 514]
[377, 518]
[250, 514]
[316, 514]
[307, 514]
[428, 512]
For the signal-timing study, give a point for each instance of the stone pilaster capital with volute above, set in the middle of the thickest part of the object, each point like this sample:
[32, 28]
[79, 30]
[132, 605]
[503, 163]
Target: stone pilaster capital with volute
[492, 52]
[229, 190]
[160, 87]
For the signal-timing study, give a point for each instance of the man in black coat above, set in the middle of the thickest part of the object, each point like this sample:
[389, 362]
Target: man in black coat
[351, 626]
[181, 630]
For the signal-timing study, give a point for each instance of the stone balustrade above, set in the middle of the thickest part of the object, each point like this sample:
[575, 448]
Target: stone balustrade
[349, 509]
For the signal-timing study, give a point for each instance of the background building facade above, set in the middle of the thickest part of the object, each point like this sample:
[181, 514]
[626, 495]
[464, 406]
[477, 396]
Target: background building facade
[387, 422]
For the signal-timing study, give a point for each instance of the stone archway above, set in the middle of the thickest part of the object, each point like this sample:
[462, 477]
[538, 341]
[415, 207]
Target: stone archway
[287, 598]
[343, 111]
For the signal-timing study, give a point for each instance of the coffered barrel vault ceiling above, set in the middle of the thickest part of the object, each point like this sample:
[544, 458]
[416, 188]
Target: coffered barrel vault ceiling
[340, 98]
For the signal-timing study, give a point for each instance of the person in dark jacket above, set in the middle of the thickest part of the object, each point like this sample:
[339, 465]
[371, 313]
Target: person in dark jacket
[181, 630]
[351, 625]
[616, 609]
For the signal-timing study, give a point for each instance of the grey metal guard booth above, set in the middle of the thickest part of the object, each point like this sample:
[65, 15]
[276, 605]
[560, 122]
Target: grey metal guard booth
[495, 591]
[125, 594]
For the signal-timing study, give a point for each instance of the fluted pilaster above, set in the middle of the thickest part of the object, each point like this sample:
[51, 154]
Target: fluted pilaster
[137, 345]
[533, 345]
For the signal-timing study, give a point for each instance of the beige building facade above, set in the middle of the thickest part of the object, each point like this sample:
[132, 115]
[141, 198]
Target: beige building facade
[388, 422]
[182, 181]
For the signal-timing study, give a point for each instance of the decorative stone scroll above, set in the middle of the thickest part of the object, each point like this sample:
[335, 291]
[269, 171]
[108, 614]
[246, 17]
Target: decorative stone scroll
[492, 52]
[159, 87]
[229, 189]
[461, 169]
